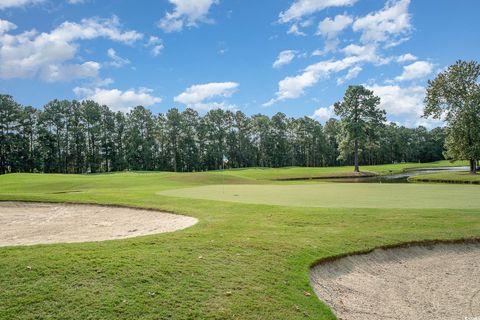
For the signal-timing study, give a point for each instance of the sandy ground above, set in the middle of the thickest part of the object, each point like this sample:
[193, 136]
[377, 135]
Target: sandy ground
[421, 282]
[34, 223]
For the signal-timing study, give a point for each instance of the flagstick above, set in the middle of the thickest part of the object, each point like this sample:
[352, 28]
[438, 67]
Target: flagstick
[223, 175]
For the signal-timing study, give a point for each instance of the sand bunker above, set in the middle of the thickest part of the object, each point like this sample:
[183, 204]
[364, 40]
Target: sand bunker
[34, 223]
[422, 282]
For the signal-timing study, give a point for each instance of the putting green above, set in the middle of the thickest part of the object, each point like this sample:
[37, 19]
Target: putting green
[341, 195]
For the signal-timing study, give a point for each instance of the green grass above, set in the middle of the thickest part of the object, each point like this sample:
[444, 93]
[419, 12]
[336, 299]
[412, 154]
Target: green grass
[241, 261]
[301, 172]
[448, 177]
[341, 195]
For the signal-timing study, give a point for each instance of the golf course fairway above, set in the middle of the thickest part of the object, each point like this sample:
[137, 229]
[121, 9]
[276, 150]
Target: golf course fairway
[240, 261]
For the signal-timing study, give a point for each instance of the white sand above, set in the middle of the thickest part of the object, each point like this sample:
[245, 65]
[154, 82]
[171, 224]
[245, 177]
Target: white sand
[420, 282]
[33, 223]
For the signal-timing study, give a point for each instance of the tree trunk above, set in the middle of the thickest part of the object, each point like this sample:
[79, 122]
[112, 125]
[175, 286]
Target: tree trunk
[2, 161]
[357, 169]
[175, 155]
[473, 166]
[3, 170]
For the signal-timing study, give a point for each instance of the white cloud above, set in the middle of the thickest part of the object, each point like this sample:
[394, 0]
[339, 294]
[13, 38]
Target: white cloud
[398, 100]
[323, 114]
[6, 26]
[427, 123]
[284, 58]
[68, 72]
[94, 28]
[156, 50]
[117, 61]
[4, 4]
[406, 103]
[406, 58]
[102, 82]
[356, 50]
[418, 69]
[295, 30]
[389, 25]
[119, 100]
[30, 53]
[307, 23]
[202, 96]
[330, 46]
[187, 13]
[156, 45]
[351, 74]
[294, 87]
[330, 29]
[301, 8]
[76, 1]
[366, 53]
[199, 93]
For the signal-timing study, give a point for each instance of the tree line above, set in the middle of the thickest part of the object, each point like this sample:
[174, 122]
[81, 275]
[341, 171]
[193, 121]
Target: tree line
[85, 137]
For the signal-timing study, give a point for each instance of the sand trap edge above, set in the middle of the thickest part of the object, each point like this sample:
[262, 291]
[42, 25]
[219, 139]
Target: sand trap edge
[415, 243]
[180, 221]
[469, 246]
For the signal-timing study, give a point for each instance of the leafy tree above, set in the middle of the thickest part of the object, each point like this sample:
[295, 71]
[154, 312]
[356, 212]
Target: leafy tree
[434, 145]
[9, 115]
[332, 131]
[78, 140]
[56, 115]
[455, 96]
[79, 137]
[119, 161]
[162, 142]
[309, 142]
[360, 116]
[92, 115]
[242, 151]
[262, 140]
[28, 153]
[189, 140]
[141, 139]
[281, 146]
[216, 125]
[47, 144]
[174, 129]
[106, 137]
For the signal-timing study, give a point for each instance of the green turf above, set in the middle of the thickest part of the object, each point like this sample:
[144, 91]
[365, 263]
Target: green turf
[341, 195]
[241, 261]
[451, 177]
[299, 172]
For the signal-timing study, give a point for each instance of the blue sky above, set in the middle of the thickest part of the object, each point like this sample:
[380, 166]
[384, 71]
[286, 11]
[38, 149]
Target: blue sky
[292, 56]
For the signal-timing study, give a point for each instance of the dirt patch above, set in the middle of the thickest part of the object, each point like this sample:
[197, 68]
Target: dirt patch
[34, 223]
[440, 281]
